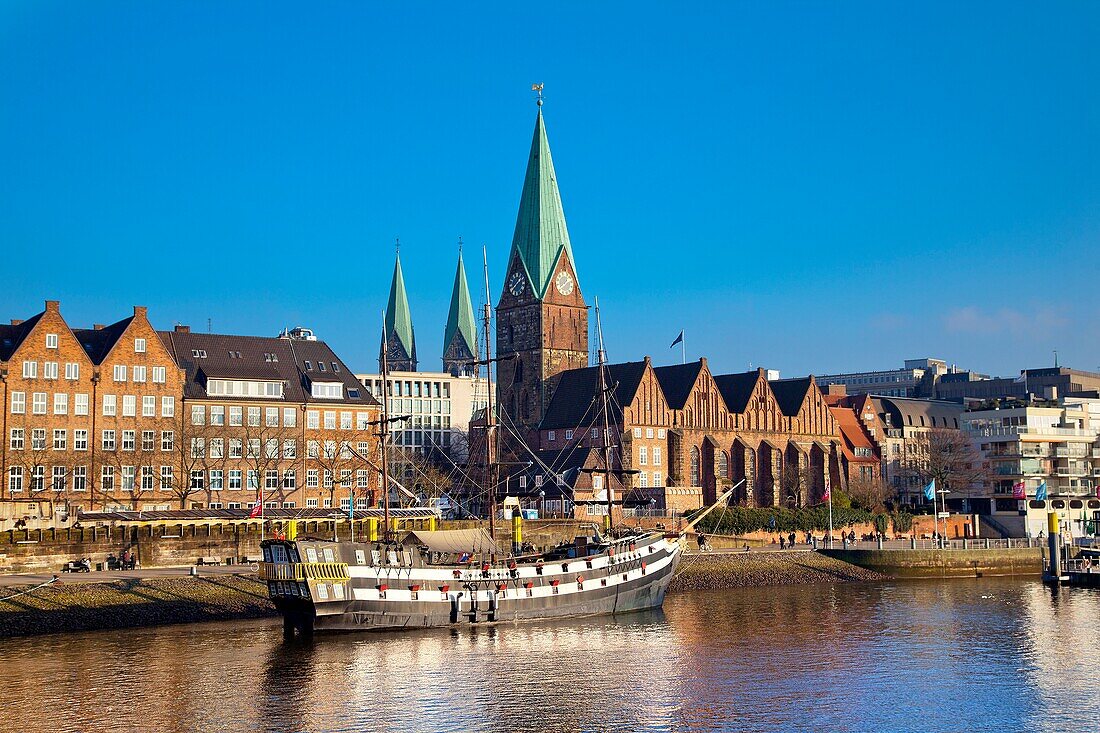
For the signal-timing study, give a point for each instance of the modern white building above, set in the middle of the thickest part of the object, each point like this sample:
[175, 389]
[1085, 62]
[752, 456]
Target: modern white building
[440, 406]
[888, 382]
[1035, 442]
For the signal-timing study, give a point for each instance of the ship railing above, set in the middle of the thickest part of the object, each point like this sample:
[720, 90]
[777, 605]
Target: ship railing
[302, 571]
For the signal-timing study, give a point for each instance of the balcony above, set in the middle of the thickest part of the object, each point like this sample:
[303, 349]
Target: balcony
[1001, 431]
[1081, 452]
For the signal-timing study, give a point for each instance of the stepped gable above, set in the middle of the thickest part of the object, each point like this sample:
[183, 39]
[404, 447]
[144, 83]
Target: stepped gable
[677, 382]
[737, 389]
[790, 394]
[578, 389]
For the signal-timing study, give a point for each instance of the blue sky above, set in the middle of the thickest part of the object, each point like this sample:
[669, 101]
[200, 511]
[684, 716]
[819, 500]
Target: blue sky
[813, 187]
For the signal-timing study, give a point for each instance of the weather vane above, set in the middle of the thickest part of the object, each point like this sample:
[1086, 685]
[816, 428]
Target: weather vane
[538, 88]
[397, 244]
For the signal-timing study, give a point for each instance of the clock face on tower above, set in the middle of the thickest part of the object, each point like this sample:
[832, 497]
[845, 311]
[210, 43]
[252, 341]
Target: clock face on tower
[515, 283]
[564, 283]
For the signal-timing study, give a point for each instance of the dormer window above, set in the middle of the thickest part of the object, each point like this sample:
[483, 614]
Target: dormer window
[335, 368]
[309, 366]
[198, 353]
[270, 357]
[321, 365]
[327, 390]
[353, 393]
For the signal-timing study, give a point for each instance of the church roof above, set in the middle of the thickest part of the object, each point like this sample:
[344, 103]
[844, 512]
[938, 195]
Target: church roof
[677, 381]
[790, 394]
[736, 389]
[460, 319]
[573, 405]
[541, 235]
[398, 318]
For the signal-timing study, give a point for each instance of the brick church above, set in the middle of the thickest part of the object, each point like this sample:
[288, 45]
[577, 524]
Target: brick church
[679, 435]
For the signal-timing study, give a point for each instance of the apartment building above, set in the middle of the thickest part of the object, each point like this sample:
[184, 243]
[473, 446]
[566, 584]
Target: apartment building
[126, 417]
[1035, 442]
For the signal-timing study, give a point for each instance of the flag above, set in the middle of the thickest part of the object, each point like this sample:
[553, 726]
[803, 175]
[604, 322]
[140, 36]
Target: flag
[828, 491]
[351, 508]
[256, 510]
[930, 490]
[1041, 491]
[679, 339]
[1019, 490]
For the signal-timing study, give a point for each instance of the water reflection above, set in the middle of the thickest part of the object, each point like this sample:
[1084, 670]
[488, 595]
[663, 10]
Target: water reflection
[916, 656]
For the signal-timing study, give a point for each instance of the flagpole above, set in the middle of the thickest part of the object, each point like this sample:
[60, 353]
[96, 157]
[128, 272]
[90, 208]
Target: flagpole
[829, 494]
[683, 351]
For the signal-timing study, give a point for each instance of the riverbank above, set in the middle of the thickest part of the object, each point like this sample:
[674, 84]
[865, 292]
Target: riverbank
[71, 606]
[715, 570]
[948, 563]
[68, 607]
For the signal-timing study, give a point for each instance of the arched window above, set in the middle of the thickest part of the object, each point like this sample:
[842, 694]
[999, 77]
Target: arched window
[519, 371]
[695, 479]
[723, 465]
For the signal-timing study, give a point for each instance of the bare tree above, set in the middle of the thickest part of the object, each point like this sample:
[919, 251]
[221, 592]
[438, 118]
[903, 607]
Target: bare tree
[949, 457]
[263, 439]
[868, 491]
[344, 458]
[796, 481]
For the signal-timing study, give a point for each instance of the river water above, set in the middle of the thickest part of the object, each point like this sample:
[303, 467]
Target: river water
[994, 654]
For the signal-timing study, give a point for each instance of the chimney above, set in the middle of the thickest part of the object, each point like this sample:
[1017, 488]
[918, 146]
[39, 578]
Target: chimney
[98, 326]
[53, 306]
[141, 310]
[180, 328]
[17, 321]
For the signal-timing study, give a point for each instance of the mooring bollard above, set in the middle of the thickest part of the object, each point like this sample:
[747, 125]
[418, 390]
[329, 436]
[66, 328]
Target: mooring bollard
[194, 571]
[880, 542]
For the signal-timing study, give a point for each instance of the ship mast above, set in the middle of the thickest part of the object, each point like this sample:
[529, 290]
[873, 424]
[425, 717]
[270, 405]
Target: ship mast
[601, 370]
[385, 432]
[490, 464]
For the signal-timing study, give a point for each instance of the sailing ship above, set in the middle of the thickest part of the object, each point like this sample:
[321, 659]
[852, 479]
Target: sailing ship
[454, 577]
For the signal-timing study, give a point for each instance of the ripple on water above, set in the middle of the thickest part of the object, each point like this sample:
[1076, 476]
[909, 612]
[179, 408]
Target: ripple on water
[989, 654]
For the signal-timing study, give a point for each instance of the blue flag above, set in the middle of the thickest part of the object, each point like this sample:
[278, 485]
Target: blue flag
[679, 339]
[351, 507]
[1041, 491]
[930, 490]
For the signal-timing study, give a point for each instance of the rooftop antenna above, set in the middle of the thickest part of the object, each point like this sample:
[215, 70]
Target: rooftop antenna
[1056, 358]
[538, 89]
[209, 325]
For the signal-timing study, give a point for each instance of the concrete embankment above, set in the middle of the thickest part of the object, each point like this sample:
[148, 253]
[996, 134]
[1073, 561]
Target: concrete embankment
[740, 569]
[953, 563]
[67, 607]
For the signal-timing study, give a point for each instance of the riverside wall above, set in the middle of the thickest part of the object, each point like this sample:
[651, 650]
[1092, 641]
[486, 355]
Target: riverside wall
[951, 563]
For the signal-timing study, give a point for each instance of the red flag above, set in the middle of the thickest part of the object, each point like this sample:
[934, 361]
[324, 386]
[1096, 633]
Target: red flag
[825, 496]
[256, 510]
[1019, 490]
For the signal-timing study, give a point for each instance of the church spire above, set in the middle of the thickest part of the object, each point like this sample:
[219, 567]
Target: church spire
[541, 236]
[399, 327]
[460, 336]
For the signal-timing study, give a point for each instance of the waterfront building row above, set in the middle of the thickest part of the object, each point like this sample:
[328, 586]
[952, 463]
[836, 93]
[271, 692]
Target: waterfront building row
[125, 416]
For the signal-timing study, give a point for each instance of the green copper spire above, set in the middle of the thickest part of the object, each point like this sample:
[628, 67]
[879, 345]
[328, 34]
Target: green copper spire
[399, 327]
[540, 234]
[460, 337]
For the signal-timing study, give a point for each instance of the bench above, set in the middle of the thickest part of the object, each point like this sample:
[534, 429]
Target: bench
[209, 560]
[246, 560]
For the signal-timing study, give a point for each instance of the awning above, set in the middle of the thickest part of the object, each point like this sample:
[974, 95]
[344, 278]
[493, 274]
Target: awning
[453, 541]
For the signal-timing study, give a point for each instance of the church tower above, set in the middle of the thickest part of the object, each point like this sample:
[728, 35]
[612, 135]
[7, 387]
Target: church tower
[460, 336]
[542, 319]
[399, 327]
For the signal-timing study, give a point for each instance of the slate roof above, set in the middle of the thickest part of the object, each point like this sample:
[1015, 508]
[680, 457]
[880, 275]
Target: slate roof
[541, 235]
[398, 317]
[736, 389]
[577, 390]
[460, 318]
[907, 412]
[677, 381]
[12, 336]
[99, 342]
[790, 393]
[253, 363]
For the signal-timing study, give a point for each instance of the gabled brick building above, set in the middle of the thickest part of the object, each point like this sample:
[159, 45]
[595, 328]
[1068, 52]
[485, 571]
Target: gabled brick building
[123, 416]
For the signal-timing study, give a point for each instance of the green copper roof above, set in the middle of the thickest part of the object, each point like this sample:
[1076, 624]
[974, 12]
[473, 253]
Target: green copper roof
[399, 323]
[540, 234]
[460, 320]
